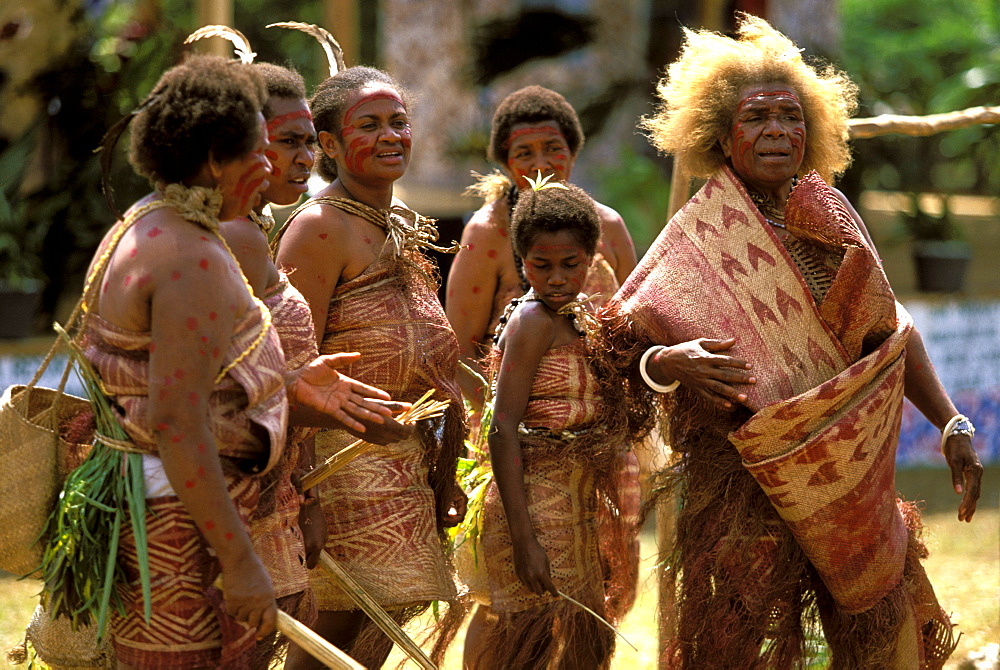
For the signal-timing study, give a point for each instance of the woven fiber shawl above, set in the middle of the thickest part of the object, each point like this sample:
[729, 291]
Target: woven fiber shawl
[829, 390]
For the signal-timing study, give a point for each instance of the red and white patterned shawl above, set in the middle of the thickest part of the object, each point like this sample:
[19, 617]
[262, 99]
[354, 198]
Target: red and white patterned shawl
[830, 376]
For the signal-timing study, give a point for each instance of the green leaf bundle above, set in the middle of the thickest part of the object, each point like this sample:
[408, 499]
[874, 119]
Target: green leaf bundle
[80, 569]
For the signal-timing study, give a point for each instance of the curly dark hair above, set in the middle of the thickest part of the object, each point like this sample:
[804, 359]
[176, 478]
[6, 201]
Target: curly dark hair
[281, 82]
[206, 106]
[551, 210]
[532, 104]
[329, 102]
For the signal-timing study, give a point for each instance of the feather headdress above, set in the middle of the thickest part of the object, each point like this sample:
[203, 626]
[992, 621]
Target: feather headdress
[334, 54]
[243, 50]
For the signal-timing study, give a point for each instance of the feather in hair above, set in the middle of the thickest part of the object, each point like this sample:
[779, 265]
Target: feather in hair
[334, 54]
[239, 40]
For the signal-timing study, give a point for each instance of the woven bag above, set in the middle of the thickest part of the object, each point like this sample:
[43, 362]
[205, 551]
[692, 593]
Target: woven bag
[58, 645]
[31, 463]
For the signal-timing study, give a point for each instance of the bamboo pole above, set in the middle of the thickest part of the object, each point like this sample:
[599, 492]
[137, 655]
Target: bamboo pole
[368, 605]
[680, 185]
[318, 648]
[342, 18]
[921, 125]
[302, 635]
[216, 13]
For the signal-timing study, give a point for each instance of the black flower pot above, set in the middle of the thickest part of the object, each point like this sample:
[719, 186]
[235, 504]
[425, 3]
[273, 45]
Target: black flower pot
[941, 265]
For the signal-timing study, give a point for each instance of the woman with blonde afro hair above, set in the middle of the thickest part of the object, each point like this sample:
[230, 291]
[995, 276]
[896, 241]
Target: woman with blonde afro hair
[700, 95]
[784, 425]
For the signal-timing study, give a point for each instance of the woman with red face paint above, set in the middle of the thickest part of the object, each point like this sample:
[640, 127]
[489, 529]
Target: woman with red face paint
[198, 375]
[287, 528]
[554, 448]
[535, 133]
[789, 525]
[355, 253]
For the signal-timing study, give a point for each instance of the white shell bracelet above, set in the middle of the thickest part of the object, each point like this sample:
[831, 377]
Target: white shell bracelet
[953, 428]
[659, 388]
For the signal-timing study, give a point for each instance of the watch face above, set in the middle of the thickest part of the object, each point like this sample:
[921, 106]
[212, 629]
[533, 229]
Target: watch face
[964, 424]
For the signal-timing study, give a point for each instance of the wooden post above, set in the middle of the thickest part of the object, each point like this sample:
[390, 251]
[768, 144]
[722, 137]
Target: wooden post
[342, 19]
[216, 12]
[680, 186]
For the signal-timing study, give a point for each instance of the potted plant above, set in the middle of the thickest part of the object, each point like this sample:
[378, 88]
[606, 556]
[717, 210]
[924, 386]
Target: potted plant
[940, 254]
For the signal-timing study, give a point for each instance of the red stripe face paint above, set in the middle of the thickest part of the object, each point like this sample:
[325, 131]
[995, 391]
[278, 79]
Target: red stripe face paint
[276, 121]
[375, 136]
[534, 147]
[291, 149]
[242, 179]
[767, 140]
[556, 267]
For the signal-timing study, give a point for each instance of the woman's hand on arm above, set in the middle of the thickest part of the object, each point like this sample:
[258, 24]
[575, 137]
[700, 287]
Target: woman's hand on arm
[924, 389]
[472, 283]
[190, 326]
[527, 337]
[320, 396]
[696, 364]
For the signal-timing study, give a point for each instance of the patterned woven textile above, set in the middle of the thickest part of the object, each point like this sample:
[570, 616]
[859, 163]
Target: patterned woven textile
[189, 627]
[381, 509]
[274, 526]
[566, 474]
[820, 445]
[382, 527]
[406, 343]
[252, 391]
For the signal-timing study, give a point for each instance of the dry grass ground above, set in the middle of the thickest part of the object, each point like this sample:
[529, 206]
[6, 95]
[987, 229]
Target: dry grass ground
[964, 567]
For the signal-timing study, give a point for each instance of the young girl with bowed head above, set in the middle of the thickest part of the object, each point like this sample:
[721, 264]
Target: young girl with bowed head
[553, 450]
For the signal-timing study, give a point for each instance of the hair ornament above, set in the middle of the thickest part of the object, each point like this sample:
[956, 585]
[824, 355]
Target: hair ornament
[107, 149]
[243, 50]
[540, 183]
[334, 54]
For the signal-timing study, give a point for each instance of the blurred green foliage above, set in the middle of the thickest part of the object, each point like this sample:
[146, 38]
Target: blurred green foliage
[50, 233]
[925, 57]
[639, 189]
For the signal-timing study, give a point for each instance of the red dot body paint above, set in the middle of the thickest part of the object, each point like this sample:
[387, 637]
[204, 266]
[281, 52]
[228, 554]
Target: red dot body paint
[191, 323]
[153, 232]
[203, 263]
[209, 525]
[492, 253]
[175, 275]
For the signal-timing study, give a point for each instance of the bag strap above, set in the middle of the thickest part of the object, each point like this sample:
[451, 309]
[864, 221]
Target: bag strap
[78, 317]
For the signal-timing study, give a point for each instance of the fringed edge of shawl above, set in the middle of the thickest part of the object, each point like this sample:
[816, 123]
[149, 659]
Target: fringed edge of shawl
[444, 443]
[536, 637]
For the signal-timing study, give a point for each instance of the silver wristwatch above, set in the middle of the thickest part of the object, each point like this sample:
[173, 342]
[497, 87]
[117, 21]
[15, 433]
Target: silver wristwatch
[962, 427]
